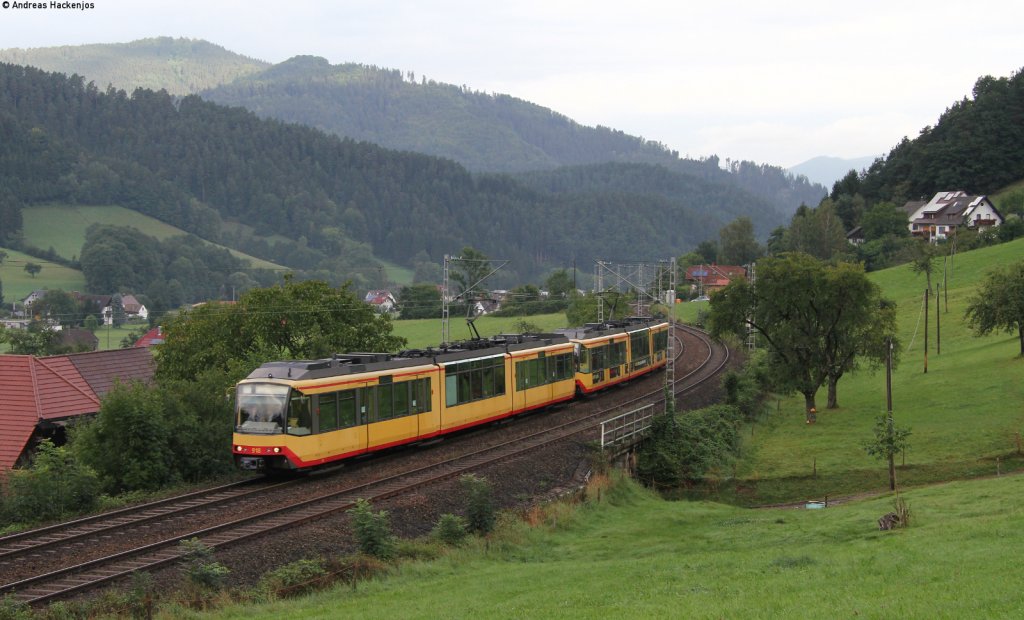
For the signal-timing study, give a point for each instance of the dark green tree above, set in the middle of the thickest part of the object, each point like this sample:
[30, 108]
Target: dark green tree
[420, 301]
[738, 245]
[559, 284]
[132, 442]
[297, 320]
[816, 320]
[998, 304]
[883, 219]
[33, 269]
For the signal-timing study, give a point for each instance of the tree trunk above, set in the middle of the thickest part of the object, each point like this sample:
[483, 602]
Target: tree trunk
[809, 400]
[833, 402]
[1020, 332]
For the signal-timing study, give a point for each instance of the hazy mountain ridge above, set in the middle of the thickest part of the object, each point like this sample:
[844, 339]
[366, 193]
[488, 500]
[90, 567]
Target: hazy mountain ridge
[179, 66]
[484, 132]
[826, 170]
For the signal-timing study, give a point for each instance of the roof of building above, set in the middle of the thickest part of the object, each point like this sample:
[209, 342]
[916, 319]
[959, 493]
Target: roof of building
[701, 272]
[58, 387]
[150, 338]
[74, 336]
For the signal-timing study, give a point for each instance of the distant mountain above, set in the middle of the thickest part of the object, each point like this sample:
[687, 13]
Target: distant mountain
[826, 170]
[330, 206]
[484, 132]
[180, 66]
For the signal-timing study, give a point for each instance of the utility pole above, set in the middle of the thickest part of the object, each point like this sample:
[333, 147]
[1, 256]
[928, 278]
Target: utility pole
[888, 407]
[926, 291]
[938, 328]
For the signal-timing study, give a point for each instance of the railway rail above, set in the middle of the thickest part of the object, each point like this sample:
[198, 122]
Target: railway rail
[36, 586]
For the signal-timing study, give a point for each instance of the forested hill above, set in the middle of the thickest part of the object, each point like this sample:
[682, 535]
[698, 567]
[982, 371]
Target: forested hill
[194, 164]
[179, 66]
[977, 145]
[484, 132]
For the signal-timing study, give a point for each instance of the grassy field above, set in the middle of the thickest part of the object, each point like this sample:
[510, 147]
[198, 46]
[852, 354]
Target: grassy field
[42, 231]
[634, 555]
[422, 333]
[964, 412]
[18, 284]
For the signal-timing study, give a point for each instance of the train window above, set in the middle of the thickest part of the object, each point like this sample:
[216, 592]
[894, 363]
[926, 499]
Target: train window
[597, 355]
[584, 358]
[367, 404]
[299, 414]
[451, 391]
[327, 407]
[661, 341]
[474, 380]
[421, 396]
[385, 405]
[402, 399]
[640, 343]
[347, 409]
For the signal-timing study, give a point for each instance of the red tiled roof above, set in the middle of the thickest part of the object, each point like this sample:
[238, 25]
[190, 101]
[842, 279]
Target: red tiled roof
[101, 369]
[58, 387]
[18, 408]
[153, 336]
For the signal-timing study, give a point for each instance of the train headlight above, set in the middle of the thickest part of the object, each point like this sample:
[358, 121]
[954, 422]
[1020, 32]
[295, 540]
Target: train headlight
[239, 448]
[276, 450]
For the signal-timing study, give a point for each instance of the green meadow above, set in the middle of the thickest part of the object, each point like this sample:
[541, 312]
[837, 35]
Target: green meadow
[63, 227]
[965, 413]
[18, 284]
[631, 554]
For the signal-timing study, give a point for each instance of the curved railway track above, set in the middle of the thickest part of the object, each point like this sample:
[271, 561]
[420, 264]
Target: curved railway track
[30, 566]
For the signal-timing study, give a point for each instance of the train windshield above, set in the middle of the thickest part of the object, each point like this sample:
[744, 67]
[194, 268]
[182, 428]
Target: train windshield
[260, 408]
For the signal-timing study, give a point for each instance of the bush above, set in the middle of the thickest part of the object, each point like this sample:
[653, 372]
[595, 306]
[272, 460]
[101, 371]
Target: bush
[450, 529]
[295, 578]
[685, 448]
[479, 503]
[373, 531]
[56, 486]
[201, 569]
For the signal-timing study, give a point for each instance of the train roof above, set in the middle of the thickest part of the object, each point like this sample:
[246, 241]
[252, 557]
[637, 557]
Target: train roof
[609, 328]
[342, 364]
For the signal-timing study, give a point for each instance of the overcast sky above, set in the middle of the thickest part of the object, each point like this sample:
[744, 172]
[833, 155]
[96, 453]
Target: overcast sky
[772, 82]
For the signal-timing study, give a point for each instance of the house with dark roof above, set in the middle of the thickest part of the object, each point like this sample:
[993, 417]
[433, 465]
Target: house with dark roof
[946, 212]
[40, 395]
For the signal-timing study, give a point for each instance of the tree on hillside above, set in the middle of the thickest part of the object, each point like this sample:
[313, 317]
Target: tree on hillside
[817, 320]
[33, 269]
[818, 232]
[420, 301]
[559, 284]
[738, 244]
[998, 303]
[3, 257]
[883, 219]
[924, 261]
[297, 320]
[469, 272]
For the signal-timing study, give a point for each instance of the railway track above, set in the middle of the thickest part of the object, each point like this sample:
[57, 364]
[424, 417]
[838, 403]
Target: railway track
[41, 586]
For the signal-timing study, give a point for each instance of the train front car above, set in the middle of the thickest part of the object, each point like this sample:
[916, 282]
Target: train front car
[260, 413]
[297, 415]
[616, 351]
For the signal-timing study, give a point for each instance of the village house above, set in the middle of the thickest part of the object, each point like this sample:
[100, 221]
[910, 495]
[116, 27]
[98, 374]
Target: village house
[704, 279]
[946, 212]
[382, 300]
[42, 394]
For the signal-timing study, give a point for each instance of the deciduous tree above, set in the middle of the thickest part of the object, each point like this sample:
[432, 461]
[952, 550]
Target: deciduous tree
[816, 320]
[998, 304]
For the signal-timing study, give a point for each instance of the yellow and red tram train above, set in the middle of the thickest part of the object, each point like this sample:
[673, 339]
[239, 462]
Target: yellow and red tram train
[297, 415]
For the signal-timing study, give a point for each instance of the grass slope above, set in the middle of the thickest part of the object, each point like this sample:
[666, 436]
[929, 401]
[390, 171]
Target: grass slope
[18, 284]
[634, 555]
[63, 227]
[422, 333]
[964, 412]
